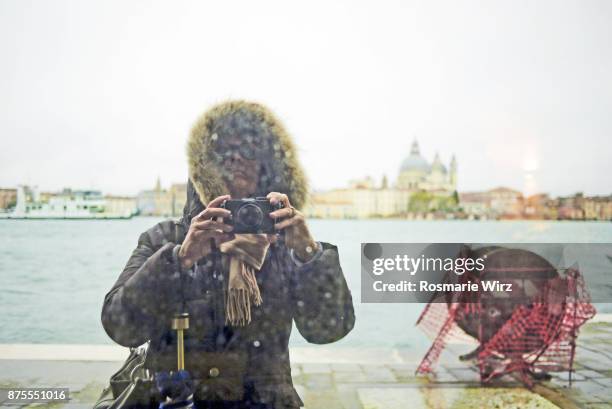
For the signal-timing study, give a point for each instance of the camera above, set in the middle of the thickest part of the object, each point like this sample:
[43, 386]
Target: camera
[251, 215]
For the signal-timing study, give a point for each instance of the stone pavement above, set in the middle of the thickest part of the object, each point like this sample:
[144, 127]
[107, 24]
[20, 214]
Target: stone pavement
[343, 378]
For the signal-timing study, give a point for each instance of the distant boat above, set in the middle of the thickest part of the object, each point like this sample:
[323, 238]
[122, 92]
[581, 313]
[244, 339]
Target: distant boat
[68, 205]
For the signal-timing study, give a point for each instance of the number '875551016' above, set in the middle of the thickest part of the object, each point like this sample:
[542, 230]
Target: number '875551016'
[27, 395]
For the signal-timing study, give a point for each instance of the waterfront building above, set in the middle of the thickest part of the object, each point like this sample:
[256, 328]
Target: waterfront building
[498, 203]
[178, 193]
[580, 207]
[537, 206]
[569, 207]
[8, 198]
[420, 188]
[161, 202]
[475, 205]
[123, 205]
[358, 203]
[598, 208]
[323, 206]
[506, 202]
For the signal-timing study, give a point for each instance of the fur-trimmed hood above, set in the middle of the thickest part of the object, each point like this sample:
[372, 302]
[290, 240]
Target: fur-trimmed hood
[282, 168]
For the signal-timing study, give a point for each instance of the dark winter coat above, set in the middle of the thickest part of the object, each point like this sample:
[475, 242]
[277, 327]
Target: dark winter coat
[249, 363]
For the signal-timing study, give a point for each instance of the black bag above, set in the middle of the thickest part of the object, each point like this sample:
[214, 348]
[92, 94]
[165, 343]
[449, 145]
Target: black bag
[131, 386]
[218, 376]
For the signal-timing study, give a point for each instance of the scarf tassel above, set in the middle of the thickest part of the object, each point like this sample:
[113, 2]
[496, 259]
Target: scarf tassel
[238, 306]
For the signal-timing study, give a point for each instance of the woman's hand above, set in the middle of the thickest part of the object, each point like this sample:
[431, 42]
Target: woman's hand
[202, 230]
[297, 235]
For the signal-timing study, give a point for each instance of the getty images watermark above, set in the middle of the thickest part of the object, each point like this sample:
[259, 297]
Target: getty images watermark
[445, 272]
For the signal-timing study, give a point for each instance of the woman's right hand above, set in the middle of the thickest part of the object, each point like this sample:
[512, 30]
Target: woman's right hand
[203, 230]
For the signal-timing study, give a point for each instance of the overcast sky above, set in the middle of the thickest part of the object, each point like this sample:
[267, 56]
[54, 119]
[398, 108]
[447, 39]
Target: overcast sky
[103, 94]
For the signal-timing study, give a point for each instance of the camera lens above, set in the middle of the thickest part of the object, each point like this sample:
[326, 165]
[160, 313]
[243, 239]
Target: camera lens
[250, 215]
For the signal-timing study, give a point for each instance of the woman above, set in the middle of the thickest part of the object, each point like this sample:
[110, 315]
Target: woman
[242, 291]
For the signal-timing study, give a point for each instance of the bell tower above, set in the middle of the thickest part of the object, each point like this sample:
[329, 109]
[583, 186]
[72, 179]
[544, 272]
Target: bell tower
[453, 173]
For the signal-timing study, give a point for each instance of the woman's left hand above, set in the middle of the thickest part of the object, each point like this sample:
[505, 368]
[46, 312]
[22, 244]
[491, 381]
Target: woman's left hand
[293, 222]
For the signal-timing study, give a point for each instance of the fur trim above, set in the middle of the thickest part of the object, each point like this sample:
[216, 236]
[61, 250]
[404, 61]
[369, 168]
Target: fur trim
[288, 176]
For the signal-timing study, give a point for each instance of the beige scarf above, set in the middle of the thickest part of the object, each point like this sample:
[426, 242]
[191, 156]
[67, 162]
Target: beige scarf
[247, 253]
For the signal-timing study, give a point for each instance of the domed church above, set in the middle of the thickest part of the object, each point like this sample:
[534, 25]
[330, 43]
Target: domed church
[420, 188]
[418, 174]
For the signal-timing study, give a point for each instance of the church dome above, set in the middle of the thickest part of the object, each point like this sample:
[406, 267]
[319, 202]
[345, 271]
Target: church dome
[414, 162]
[437, 165]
